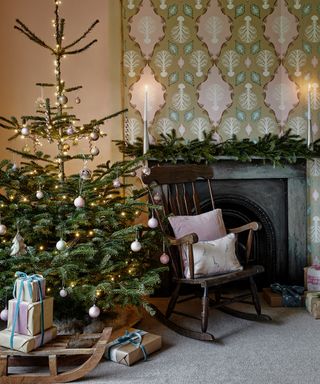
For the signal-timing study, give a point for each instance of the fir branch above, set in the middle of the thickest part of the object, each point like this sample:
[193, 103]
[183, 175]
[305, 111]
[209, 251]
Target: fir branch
[30, 156]
[73, 88]
[45, 84]
[83, 35]
[32, 36]
[80, 49]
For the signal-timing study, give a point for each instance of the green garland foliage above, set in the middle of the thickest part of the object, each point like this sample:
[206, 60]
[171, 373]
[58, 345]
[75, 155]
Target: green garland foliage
[271, 148]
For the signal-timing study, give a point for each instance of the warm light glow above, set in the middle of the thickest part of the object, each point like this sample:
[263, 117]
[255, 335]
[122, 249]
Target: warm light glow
[77, 234]
[123, 214]
[98, 293]
[112, 278]
[48, 289]
[91, 233]
[41, 248]
[72, 284]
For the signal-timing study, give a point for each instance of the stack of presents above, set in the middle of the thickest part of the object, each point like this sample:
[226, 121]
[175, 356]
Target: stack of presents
[30, 315]
[30, 325]
[297, 296]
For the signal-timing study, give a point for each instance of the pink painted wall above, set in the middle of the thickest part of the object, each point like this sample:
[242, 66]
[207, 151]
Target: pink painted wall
[98, 70]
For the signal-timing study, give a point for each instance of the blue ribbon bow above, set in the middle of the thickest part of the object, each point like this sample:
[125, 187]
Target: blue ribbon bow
[134, 338]
[23, 277]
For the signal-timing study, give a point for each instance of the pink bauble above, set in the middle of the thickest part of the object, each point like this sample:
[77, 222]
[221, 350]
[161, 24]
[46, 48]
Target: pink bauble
[164, 258]
[152, 222]
[4, 314]
[79, 202]
[94, 311]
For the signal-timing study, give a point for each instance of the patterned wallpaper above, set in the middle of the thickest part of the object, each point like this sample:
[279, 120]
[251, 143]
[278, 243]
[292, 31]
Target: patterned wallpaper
[239, 66]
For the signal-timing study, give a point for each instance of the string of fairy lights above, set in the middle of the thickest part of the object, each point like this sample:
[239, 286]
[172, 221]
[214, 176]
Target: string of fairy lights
[57, 124]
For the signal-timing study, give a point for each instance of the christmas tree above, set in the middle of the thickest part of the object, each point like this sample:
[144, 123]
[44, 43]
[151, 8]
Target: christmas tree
[77, 230]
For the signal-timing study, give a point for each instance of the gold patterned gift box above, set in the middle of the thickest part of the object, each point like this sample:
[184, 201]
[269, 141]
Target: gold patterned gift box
[29, 316]
[25, 343]
[133, 346]
[313, 304]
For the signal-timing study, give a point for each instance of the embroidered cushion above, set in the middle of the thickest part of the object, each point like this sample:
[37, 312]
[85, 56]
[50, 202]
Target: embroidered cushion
[213, 257]
[208, 225]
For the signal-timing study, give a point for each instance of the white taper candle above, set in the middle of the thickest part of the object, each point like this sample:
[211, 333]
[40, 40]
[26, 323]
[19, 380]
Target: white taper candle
[145, 122]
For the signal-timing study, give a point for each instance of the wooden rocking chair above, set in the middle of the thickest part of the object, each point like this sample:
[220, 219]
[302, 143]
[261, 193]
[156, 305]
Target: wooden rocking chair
[176, 189]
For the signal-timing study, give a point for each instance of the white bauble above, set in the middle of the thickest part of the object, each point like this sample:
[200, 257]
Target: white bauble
[116, 183]
[25, 131]
[63, 292]
[95, 151]
[157, 197]
[152, 222]
[61, 245]
[146, 170]
[14, 167]
[79, 202]
[3, 229]
[70, 130]
[94, 135]
[39, 194]
[85, 174]
[62, 99]
[164, 258]
[94, 311]
[4, 314]
[135, 246]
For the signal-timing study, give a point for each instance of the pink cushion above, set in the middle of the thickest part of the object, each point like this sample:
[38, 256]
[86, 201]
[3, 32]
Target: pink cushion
[208, 226]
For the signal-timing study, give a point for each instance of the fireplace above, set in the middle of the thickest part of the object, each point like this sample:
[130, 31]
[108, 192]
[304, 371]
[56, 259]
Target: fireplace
[275, 197]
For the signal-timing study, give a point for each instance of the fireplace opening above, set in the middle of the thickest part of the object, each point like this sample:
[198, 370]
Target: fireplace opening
[239, 210]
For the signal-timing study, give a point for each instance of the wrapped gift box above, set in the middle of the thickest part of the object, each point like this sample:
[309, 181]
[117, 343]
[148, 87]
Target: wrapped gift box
[26, 343]
[312, 277]
[313, 303]
[128, 353]
[35, 294]
[29, 319]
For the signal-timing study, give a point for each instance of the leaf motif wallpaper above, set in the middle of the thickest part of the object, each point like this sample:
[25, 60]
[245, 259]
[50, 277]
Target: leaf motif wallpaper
[237, 66]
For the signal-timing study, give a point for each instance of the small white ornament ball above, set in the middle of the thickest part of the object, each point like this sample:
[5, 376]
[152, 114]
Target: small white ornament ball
[94, 311]
[85, 174]
[94, 135]
[61, 245]
[116, 183]
[3, 229]
[152, 222]
[4, 314]
[70, 130]
[79, 202]
[135, 246]
[14, 167]
[63, 292]
[25, 131]
[146, 170]
[78, 100]
[62, 99]
[39, 194]
[164, 258]
[95, 151]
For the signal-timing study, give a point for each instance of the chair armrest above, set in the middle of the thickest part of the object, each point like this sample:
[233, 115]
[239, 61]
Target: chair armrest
[191, 238]
[254, 226]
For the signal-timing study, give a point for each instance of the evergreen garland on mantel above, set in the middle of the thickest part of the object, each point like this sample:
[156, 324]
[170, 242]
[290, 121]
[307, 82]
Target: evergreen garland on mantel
[270, 148]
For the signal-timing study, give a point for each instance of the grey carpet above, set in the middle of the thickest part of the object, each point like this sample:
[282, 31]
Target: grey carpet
[284, 351]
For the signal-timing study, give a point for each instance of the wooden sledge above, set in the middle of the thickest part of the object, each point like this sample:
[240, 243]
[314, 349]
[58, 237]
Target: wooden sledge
[58, 351]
